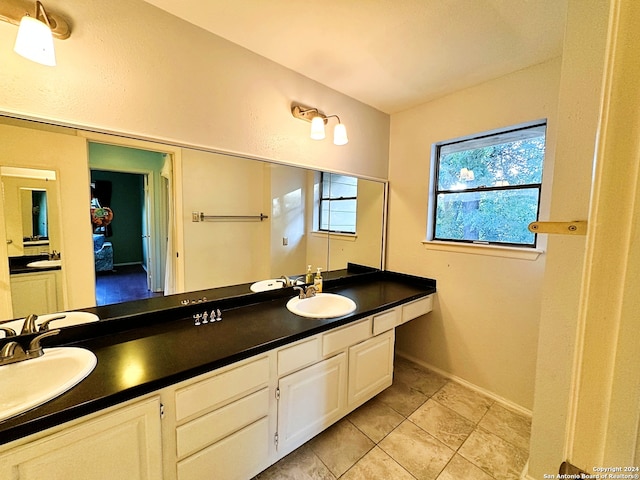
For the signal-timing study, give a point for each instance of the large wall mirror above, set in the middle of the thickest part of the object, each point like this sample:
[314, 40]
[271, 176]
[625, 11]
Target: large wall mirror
[241, 220]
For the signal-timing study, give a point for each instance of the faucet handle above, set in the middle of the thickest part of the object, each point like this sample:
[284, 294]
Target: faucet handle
[301, 290]
[44, 326]
[35, 349]
[8, 332]
[9, 350]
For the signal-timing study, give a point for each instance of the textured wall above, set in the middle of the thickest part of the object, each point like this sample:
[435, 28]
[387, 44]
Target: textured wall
[130, 67]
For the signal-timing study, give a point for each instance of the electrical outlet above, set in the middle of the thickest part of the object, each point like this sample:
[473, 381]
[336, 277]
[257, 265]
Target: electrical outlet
[285, 241]
[195, 216]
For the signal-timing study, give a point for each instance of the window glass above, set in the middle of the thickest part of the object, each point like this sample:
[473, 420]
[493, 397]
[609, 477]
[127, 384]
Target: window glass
[338, 203]
[488, 187]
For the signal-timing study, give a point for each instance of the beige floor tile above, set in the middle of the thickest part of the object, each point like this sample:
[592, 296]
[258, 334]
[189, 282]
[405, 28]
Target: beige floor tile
[461, 469]
[511, 426]
[419, 378]
[468, 403]
[341, 446]
[375, 419]
[301, 464]
[377, 465]
[418, 452]
[402, 398]
[494, 455]
[449, 427]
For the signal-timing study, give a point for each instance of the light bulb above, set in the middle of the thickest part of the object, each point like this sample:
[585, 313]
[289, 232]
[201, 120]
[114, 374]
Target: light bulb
[35, 41]
[317, 128]
[340, 135]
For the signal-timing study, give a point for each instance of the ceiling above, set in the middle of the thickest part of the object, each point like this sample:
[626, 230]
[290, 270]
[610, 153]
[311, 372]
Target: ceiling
[390, 54]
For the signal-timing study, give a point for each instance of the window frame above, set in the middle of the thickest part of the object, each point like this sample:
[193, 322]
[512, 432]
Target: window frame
[329, 199]
[480, 141]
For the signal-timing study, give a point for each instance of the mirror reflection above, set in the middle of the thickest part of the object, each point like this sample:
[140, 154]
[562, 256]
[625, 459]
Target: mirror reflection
[31, 228]
[195, 220]
[33, 204]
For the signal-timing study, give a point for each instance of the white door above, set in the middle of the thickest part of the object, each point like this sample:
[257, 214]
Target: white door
[147, 257]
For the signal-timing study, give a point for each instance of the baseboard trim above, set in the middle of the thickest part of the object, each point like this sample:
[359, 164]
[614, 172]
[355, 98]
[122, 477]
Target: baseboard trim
[127, 264]
[507, 403]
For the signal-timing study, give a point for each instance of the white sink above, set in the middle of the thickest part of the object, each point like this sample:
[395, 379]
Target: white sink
[271, 284]
[70, 318]
[45, 263]
[33, 382]
[322, 305]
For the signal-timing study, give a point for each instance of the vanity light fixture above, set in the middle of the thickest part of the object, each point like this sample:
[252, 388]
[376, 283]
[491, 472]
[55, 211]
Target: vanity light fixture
[35, 33]
[318, 121]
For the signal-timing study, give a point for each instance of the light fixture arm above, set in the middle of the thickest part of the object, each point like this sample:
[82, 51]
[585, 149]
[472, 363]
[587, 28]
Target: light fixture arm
[40, 10]
[12, 11]
[329, 116]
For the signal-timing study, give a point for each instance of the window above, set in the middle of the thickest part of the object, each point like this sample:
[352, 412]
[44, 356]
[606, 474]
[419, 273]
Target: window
[338, 202]
[487, 188]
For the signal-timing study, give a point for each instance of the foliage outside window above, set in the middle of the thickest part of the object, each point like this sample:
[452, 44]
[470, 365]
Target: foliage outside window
[487, 188]
[338, 202]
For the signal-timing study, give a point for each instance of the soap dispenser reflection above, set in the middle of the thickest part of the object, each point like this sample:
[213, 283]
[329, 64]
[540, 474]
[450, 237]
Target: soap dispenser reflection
[317, 281]
[308, 278]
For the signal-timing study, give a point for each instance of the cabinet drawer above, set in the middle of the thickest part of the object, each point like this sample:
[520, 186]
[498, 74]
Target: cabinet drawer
[221, 388]
[241, 455]
[297, 356]
[385, 321]
[216, 425]
[345, 337]
[417, 308]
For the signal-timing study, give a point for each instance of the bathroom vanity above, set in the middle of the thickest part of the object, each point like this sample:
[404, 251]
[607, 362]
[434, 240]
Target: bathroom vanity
[223, 399]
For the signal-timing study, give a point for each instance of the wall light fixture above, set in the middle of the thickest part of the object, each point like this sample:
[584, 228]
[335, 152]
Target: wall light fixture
[35, 33]
[318, 121]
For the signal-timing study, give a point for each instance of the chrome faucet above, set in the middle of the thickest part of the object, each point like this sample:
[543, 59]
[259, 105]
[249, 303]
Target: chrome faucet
[308, 292]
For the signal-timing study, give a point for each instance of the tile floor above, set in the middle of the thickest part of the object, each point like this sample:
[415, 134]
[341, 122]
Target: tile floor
[423, 427]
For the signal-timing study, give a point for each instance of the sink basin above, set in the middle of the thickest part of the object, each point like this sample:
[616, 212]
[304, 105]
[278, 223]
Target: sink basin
[70, 318]
[323, 305]
[33, 382]
[45, 263]
[271, 284]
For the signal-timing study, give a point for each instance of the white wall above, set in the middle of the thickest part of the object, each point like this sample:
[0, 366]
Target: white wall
[130, 67]
[288, 193]
[224, 252]
[484, 328]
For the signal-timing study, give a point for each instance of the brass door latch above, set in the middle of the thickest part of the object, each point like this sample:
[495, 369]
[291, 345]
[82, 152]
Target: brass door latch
[579, 227]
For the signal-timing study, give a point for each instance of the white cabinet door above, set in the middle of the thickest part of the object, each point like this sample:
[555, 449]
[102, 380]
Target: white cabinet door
[370, 368]
[34, 293]
[124, 443]
[311, 400]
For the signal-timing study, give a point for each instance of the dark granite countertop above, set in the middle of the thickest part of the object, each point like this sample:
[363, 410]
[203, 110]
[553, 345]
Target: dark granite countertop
[141, 351]
[18, 265]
